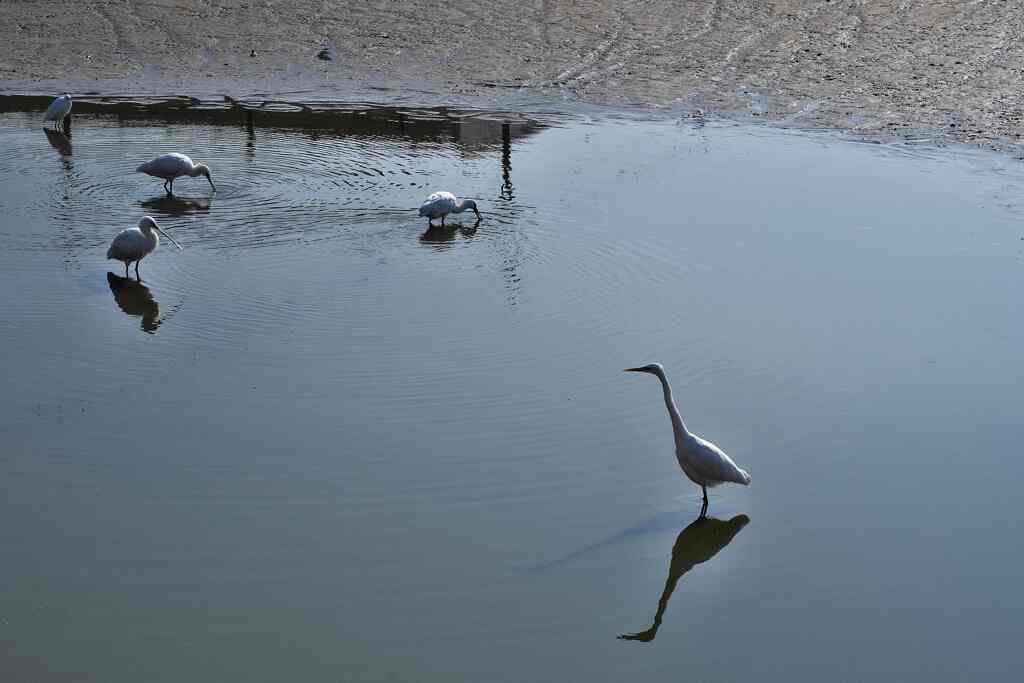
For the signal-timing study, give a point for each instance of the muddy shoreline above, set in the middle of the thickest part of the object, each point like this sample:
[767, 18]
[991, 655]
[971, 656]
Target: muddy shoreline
[943, 71]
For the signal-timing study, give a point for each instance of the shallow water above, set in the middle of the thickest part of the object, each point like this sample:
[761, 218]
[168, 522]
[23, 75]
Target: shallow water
[320, 444]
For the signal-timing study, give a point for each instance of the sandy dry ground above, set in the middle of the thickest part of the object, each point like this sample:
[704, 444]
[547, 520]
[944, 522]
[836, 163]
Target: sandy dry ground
[910, 66]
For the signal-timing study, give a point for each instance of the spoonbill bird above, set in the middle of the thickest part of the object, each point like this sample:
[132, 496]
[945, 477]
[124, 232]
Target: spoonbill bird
[440, 204]
[171, 166]
[58, 109]
[702, 461]
[135, 244]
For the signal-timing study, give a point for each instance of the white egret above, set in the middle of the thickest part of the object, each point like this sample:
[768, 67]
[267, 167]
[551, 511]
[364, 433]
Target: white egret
[440, 204]
[58, 109]
[702, 461]
[171, 166]
[134, 244]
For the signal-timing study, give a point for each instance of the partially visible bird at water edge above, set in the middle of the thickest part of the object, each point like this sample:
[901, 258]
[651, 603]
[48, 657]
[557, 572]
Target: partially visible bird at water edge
[440, 204]
[702, 461]
[58, 110]
[134, 244]
[174, 165]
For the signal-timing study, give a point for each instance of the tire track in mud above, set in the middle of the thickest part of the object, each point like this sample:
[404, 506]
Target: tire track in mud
[611, 55]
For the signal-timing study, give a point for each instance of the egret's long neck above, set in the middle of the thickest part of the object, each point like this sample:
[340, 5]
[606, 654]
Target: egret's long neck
[678, 427]
[195, 170]
[461, 206]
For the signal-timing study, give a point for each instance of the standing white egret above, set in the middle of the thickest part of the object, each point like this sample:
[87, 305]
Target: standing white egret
[174, 165]
[702, 461]
[58, 109]
[440, 204]
[134, 244]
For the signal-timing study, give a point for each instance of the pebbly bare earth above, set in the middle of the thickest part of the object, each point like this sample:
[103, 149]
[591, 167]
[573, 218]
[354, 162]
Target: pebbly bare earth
[927, 67]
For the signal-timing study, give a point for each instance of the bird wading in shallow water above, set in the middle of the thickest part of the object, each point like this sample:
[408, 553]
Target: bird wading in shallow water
[134, 244]
[171, 166]
[58, 110]
[702, 461]
[440, 204]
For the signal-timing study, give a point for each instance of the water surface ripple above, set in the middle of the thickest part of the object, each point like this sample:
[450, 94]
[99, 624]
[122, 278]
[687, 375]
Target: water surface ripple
[324, 421]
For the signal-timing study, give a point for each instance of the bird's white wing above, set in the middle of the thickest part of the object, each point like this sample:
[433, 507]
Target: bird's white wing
[713, 464]
[129, 243]
[167, 164]
[58, 109]
[438, 203]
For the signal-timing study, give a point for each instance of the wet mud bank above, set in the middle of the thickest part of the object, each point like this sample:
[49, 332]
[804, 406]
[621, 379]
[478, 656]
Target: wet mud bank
[935, 70]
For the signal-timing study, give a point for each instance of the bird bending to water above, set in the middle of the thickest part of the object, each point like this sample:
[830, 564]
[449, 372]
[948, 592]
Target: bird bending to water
[134, 244]
[440, 204]
[58, 109]
[702, 461]
[171, 166]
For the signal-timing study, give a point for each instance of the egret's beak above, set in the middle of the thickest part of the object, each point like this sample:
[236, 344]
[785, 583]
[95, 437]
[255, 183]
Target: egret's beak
[635, 370]
[477, 214]
[159, 230]
[210, 180]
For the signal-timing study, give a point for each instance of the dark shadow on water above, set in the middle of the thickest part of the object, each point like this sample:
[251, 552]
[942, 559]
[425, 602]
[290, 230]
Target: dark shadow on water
[697, 543]
[165, 205]
[135, 299]
[471, 130]
[660, 523]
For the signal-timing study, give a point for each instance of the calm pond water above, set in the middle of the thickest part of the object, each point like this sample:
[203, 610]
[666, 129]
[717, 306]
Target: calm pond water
[321, 445]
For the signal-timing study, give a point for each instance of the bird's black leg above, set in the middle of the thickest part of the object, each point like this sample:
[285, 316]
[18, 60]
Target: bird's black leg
[442, 219]
[704, 507]
[137, 270]
[126, 269]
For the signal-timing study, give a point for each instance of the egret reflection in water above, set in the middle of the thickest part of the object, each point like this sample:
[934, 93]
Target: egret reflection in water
[441, 236]
[135, 299]
[697, 543]
[173, 205]
[59, 141]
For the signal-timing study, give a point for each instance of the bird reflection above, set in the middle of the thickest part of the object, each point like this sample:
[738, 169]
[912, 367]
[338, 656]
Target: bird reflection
[135, 299]
[172, 205]
[440, 235]
[697, 543]
[59, 141]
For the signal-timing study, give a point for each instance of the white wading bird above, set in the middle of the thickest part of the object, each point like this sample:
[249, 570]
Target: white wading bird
[440, 204]
[702, 461]
[134, 244]
[58, 109]
[171, 166]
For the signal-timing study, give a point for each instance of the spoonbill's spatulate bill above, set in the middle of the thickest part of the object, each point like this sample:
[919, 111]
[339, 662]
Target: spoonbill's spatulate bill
[702, 461]
[134, 244]
[174, 165]
[58, 109]
[440, 204]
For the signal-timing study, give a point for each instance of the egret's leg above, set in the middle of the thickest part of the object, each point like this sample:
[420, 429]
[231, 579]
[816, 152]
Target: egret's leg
[442, 219]
[137, 269]
[126, 269]
[704, 507]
